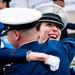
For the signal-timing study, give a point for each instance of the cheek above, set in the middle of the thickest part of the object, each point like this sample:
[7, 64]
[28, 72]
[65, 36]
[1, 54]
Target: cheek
[59, 34]
[10, 38]
[44, 33]
[45, 30]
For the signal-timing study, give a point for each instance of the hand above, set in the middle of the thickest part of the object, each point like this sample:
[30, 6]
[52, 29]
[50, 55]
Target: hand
[54, 63]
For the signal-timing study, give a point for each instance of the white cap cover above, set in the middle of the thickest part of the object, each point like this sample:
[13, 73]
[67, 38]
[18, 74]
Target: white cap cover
[16, 16]
[55, 9]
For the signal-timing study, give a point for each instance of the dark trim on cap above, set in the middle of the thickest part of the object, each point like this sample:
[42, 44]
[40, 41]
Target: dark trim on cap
[7, 27]
[51, 17]
[20, 26]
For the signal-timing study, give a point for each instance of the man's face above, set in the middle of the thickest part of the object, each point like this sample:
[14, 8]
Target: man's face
[49, 31]
[60, 3]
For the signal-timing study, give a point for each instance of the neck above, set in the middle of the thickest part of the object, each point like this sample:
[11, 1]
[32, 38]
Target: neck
[28, 36]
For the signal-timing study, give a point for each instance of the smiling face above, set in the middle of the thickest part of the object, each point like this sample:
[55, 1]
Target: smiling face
[48, 30]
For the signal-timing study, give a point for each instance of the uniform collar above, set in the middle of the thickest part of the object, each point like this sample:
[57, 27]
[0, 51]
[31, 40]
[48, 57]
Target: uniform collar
[29, 45]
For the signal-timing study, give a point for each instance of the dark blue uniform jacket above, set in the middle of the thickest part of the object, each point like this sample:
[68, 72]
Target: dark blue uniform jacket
[63, 49]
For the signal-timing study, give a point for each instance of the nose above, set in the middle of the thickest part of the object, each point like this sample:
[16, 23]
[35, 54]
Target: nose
[54, 29]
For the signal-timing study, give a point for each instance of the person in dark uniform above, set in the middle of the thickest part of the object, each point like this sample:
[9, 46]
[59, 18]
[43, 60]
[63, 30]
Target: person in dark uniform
[69, 25]
[23, 38]
[13, 56]
[51, 28]
[5, 45]
[5, 42]
[18, 58]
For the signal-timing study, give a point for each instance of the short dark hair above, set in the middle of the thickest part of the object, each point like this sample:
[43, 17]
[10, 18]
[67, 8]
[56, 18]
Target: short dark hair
[8, 1]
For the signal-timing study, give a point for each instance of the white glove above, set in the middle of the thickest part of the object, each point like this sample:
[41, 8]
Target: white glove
[54, 63]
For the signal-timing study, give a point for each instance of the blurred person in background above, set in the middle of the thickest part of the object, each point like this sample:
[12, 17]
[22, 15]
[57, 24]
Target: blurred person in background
[3, 38]
[4, 4]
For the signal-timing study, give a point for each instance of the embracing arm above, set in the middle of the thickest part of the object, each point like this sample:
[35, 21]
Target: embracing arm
[17, 55]
[52, 61]
[71, 26]
[69, 44]
[11, 56]
[37, 56]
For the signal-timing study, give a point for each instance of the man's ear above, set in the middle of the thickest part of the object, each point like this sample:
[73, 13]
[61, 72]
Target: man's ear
[16, 34]
[37, 34]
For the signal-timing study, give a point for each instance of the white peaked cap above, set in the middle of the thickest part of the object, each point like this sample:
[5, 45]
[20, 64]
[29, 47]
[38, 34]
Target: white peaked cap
[19, 18]
[55, 9]
[16, 16]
